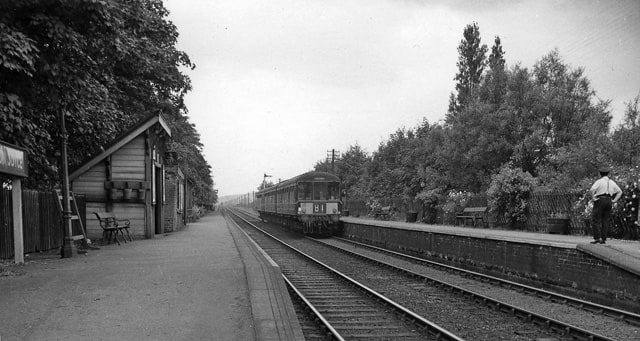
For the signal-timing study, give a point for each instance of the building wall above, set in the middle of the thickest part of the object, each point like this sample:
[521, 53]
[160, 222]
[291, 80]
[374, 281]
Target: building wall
[127, 167]
[128, 162]
[91, 183]
[173, 214]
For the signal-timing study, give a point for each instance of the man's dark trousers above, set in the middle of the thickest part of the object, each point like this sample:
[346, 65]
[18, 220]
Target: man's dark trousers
[601, 217]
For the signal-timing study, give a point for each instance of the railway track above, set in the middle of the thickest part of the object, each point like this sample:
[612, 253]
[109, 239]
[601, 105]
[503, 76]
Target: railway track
[563, 316]
[567, 316]
[347, 309]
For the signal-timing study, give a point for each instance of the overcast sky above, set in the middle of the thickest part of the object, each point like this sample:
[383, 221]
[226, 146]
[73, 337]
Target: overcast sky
[279, 83]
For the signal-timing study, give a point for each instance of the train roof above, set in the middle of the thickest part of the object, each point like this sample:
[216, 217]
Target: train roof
[308, 176]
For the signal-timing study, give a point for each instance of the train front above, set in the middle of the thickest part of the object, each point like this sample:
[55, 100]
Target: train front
[319, 205]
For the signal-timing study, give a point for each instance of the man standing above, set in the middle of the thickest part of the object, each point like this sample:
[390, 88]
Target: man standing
[604, 192]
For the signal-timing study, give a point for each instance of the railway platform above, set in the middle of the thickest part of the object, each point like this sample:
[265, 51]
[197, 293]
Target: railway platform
[622, 253]
[604, 273]
[206, 282]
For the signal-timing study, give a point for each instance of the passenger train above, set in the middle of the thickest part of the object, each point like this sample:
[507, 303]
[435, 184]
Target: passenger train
[309, 203]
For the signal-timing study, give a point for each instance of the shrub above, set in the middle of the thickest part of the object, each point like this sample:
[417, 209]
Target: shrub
[455, 202]
[625, 212]
[509, 192]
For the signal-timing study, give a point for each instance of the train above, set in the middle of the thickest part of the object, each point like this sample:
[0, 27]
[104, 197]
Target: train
[308, 203]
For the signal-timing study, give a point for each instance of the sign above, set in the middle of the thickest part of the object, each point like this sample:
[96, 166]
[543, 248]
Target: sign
[13, 160]
[319, 208]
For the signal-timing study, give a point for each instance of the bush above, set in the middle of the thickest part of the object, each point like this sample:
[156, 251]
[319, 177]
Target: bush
[509, 193]
[625, 212]
[454, 203]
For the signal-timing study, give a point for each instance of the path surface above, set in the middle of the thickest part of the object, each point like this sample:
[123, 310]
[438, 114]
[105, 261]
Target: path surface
[188, 285]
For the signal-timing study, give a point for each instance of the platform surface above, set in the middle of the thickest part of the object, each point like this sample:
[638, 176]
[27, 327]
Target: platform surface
[623, 253]
[202, 283]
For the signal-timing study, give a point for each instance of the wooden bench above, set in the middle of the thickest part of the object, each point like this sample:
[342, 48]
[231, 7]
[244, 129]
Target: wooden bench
[472, 214]
[383, 213]
[111, 226]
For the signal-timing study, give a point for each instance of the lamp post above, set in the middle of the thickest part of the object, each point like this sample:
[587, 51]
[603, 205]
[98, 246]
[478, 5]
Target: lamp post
[67, 247]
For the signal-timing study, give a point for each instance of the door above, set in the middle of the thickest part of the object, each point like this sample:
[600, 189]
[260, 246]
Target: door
[159, 199]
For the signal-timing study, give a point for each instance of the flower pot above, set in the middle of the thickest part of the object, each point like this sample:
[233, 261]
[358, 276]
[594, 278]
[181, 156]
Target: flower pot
[115, 194]
[128, 193]
[141, 193]
[558, 225]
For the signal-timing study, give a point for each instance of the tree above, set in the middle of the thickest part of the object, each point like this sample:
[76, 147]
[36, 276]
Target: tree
[471, 63]
[104, 65]
[626, 137]
[494, 85]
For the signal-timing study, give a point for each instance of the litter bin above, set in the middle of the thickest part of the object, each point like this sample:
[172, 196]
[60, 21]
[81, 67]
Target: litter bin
[412, 216]
[345, 213]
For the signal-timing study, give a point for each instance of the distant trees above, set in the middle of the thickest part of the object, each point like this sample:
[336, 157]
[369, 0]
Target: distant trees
[538, 128]
[104, 65]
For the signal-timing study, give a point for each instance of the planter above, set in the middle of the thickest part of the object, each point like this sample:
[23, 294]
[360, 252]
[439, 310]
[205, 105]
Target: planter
[115, 194]
[558, 225]
[128, 193]
[412, 216]
[141, 193]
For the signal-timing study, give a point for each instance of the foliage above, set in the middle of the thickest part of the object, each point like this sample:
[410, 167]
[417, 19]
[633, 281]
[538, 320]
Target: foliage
[103, 66]
[454, 203]
[509, 193]
[626, 137]
[471, 63]
[583, 207]
[542, 126]
[626, 209]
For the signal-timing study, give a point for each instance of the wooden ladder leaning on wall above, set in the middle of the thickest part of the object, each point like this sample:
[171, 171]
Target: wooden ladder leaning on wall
[75, 215]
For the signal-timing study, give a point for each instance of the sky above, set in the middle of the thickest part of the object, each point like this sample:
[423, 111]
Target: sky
[278, 84]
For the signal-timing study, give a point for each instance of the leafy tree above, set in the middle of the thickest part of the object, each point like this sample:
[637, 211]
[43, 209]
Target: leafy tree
[103, 65]
[392, 171]
[494, 85]
[471, 63]
[352, 169]
[626, 137]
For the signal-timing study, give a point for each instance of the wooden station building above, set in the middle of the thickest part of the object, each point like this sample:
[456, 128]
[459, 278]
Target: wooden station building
[127, 178]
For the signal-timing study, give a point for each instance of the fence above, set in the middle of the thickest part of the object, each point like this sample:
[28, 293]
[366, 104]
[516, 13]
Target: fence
[41, 218]
[541, 206]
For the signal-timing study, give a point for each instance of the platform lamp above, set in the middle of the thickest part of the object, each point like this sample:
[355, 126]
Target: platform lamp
[67, 247]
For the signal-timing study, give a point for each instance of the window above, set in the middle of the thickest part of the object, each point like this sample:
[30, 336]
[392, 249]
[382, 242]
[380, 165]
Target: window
[304, 191]
[319, 191]
[334, 191]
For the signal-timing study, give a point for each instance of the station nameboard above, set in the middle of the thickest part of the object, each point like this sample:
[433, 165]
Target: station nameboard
[13, 160]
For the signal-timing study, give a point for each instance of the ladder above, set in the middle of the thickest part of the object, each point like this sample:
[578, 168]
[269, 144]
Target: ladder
[75, 215]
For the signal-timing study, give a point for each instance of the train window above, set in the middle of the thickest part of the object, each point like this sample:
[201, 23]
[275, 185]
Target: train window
[333, 190]
[319, 191]
[304, 191]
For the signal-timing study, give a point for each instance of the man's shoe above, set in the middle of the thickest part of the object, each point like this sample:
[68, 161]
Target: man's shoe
[595, 242]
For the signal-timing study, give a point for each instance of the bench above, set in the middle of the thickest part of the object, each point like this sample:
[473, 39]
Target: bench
[111, 226]
[383, 213]
[473, 215]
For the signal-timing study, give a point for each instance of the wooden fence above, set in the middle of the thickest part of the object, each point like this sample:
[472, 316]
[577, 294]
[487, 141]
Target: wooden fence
[42, 222]
[541, 206]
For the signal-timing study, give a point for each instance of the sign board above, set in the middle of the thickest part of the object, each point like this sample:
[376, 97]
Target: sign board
[13, 160]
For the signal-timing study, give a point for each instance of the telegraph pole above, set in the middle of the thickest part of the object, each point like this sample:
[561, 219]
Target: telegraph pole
[334, 154]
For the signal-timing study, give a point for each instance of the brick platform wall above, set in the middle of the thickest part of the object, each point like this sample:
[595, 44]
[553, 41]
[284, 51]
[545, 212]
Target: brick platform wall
[566, 270]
